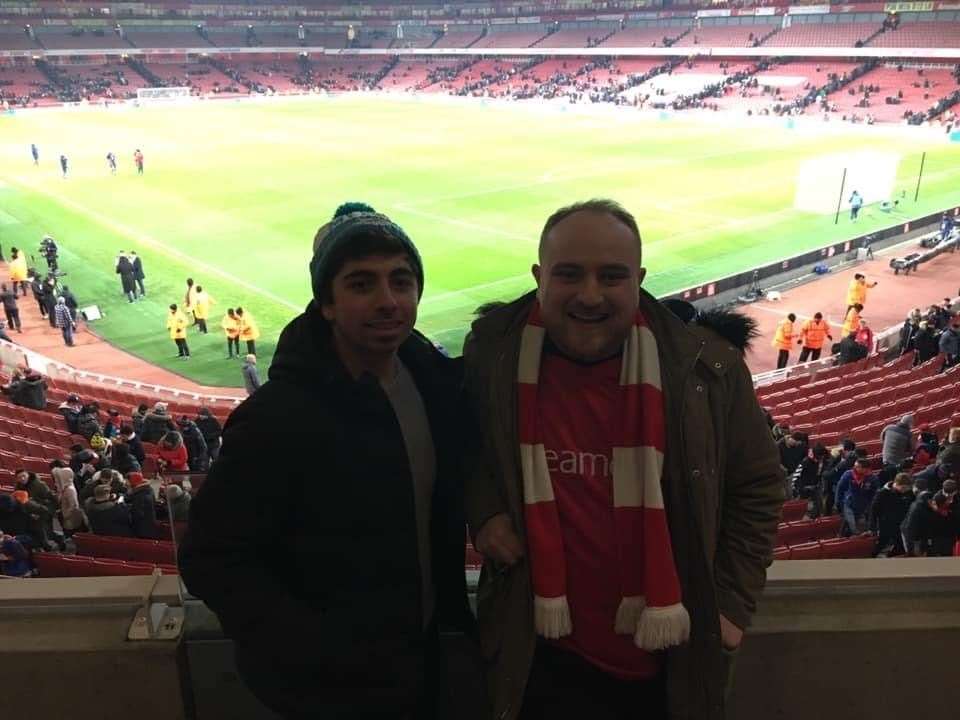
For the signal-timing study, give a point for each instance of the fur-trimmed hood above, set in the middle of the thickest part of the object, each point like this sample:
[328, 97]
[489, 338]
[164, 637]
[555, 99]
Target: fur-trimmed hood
[736, 328]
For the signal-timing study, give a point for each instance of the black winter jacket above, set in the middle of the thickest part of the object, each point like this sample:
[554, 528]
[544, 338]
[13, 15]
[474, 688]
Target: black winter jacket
[310, 560]
[888, 511]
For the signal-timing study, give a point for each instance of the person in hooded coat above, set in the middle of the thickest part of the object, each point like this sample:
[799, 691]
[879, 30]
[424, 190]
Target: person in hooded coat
[887, 513]
[143, 509]
[172, 453]
[378, 407]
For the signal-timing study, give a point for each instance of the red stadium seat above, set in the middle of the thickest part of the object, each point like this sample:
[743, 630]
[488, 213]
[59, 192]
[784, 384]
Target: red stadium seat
[806, 551]
[781, 553]
[794, 510]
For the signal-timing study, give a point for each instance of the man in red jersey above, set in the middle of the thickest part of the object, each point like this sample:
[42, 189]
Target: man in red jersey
[625, 490]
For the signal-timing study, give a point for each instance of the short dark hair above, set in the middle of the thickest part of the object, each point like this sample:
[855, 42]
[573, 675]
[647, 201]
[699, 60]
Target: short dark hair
[371, 241]
[126, 429]
[858, 276]
[818, 316]
[798, 436]
[860, 452]
[600, 206]
[173, 306]
[863, 461]
[791, 317]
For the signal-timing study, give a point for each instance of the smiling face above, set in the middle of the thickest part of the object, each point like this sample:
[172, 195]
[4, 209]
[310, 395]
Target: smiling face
[588, 283]
[373, 304]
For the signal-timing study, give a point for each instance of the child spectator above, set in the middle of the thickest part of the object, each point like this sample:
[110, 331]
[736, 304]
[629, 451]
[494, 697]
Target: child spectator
[172, 453]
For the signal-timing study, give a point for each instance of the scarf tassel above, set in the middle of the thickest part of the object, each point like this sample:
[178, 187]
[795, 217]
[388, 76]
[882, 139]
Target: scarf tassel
[628, 615]
[662, 627]
[551, 617]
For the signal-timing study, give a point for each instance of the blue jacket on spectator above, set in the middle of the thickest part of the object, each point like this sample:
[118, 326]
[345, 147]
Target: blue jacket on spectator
[857, 496]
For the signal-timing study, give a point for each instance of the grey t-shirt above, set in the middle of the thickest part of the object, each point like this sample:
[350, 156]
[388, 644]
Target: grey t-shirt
[412, 416]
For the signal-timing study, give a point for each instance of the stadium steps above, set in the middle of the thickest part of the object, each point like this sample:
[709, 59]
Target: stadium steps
[673, 41]
[143, 71]
[606, 37]
[867, 40]
[439, 37]
[768, 36]
[51, 74]
[477, 39]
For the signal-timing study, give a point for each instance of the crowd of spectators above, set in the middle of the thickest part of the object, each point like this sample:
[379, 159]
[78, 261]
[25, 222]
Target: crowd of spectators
[906, 499]
[102, 485]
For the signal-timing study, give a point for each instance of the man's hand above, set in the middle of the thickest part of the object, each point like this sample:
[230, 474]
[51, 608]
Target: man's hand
[730, 635]
[498, 540]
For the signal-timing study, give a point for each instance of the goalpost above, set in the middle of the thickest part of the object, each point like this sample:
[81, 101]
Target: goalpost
[163, 94]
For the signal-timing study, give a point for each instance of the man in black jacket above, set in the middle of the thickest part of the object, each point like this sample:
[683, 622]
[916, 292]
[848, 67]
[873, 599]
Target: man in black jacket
[332, 569]
[887, 513]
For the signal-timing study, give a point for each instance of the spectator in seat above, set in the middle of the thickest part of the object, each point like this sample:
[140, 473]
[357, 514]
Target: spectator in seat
[380, 406]
[855, 493]
[70, 514]
[15, 518]
[129, 438]
[897, 441]
[909, 331]
[109, 477]
[211, 430]
[865, 335]
[926, 343]
[917, 526]
[950, 343]
[106, 515]
[156, 424]
[88, 424]
[37, 490]
[197, 457]
[887, 513]
[143, 510]
[122, 460]
[112, 427]
[934, 476]
[178, 503]
[950, 452]
[851, 350]
[137, 417]
[840, 460]
[14, 557]
[792, 448]
[172, 453]
[71, 409]
[28, 389]
[810, 479]
[945, 520]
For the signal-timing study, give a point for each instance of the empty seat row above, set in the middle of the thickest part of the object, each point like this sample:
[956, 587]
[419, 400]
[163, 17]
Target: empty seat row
[120, 548]
[837, 549]
[54, 565]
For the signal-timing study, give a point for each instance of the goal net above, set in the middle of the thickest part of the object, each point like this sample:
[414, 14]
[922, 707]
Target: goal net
[162, 94]
[871, 173]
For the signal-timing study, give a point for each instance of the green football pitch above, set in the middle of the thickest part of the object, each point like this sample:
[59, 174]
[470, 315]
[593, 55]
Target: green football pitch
[234, 191]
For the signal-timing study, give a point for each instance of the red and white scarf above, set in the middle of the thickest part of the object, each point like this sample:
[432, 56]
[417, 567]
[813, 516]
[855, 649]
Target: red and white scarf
[650, 609]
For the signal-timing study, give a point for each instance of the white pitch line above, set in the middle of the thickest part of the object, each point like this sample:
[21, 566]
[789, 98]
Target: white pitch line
[160, 247]
[431, 299]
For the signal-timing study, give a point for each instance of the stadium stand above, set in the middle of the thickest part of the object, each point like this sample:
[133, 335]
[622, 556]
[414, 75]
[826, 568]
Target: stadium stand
[147, 36]
[920, 34]
[823, 35]
[890, 95]
[643, 36]
[457, 39]
[79, 39]
[509, 39]
[575, 37]
[726, 36]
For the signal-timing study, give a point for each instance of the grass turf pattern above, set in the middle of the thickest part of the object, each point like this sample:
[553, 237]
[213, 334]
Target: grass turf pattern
[233, 193]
